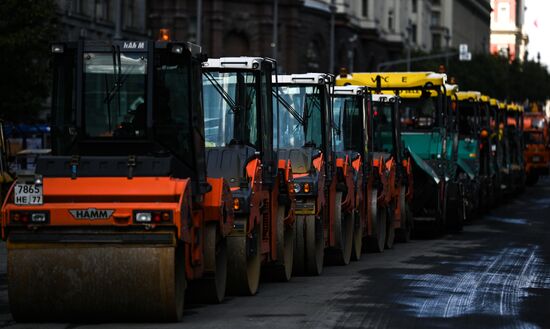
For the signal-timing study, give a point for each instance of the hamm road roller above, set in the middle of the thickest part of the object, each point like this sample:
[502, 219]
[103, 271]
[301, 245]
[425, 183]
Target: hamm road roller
[120, 218]
[324, 206]
[239, 147]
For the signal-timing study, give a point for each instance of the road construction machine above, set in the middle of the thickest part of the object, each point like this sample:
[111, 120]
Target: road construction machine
[390, 153]
[423, 114]
[514, 148]
[322, 183]
[239, 147]
[385, 198]
[350, 138]
[474, 148]
[121, 216]
[497, 148]
[536, 154]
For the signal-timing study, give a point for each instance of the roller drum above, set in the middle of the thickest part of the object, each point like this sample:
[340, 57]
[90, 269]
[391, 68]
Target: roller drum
[97, 283]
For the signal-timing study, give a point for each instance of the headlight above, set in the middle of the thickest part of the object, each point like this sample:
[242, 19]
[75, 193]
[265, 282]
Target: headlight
[153, 216]
[297, 188]
[143, 217]
[29, 217]
[39, 217]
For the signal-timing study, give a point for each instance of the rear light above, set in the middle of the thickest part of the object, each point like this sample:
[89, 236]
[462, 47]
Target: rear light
[152, 216]
[306, 188]
[156, 217]
[29, 217]
[236, 204]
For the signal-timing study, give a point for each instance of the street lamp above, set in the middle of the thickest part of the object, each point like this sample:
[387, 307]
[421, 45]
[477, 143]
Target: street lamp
[447, 47]
[351, 52]
[332, 37]
[409, 45]
[199, 22]
[275, 28]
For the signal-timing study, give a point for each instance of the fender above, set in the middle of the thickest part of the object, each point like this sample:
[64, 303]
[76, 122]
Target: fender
[218, 205]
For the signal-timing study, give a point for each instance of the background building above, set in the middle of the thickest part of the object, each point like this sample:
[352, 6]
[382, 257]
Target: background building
[103, 19]
[366, 32]
[507, 28]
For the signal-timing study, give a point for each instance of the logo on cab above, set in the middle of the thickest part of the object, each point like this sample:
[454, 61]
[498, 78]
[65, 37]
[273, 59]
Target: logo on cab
[91, 213]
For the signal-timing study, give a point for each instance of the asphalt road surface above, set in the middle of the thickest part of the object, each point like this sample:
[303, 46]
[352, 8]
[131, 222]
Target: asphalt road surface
[496, 274]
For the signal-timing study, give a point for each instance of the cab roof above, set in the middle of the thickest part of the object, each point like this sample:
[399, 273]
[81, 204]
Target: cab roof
[349, 90]
[514, 107]
[409, 93]
[396, 80]
[384, 98]
[469, 96]
[243, 62]
[305, 78]
[494, 102]
[451, 89]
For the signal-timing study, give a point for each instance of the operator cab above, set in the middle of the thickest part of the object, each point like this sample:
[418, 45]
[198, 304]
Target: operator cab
[238, 117]
[118, 105]
[305, 121]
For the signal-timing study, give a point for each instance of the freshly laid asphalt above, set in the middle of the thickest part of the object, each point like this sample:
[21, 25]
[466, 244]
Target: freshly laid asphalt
[495, 274]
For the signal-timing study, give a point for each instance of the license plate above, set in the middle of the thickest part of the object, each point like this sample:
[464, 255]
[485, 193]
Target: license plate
[28, 194]
[536, 159]
[305, 208]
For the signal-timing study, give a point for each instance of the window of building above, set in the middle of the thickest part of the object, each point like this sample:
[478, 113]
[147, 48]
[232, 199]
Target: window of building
[414, 6]
[503, 12]
[104, 10]
[436, 18]
[390, 20]
[129, 14]
[414, 32]
[81, 7]
[436, 41]
[365, 8]
[436, 2]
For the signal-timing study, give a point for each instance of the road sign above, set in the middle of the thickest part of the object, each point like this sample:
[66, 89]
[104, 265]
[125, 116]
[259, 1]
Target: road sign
[463, 53]
[465, 56]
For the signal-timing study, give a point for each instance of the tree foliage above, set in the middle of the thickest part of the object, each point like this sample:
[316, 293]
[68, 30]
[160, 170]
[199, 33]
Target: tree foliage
[27, 28]
[497, 76]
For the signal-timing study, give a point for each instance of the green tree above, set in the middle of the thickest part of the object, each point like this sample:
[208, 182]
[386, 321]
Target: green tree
[26, 29]
[497, 77]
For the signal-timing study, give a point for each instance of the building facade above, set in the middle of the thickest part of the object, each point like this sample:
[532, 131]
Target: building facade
[455, 22]
[507, 33]
[366, 32]
[103, 19]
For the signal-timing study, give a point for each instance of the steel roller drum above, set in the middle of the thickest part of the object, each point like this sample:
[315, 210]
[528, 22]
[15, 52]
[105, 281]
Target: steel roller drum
[98, 283]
